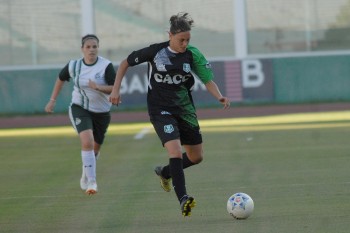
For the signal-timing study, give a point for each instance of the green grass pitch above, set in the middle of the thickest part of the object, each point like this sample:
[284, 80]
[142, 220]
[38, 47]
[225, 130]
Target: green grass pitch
[295, 167]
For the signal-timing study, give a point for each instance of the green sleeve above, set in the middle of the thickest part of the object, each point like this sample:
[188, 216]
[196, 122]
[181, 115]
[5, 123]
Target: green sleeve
[201, 67]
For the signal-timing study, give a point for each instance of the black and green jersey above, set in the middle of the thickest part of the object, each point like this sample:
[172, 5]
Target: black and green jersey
[171, 77]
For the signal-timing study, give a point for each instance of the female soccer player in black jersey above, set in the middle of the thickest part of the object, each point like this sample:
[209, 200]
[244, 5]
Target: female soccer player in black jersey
[171, 65]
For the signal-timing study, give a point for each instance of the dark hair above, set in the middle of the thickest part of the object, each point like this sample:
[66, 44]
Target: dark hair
[182, 22]
[88, 36]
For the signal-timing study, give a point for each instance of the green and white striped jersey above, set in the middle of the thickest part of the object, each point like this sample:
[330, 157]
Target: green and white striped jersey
[101, 72]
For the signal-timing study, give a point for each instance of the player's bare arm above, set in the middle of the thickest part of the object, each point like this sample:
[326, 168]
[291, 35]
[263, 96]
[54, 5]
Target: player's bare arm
[56, 90]
[107, 89]
[214, 90]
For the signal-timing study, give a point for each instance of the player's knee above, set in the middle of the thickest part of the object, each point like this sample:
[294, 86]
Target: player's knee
[198, 160]
[87, 145]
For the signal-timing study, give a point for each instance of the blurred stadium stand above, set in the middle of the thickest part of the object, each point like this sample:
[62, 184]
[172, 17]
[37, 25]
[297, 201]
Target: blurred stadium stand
[44, 32]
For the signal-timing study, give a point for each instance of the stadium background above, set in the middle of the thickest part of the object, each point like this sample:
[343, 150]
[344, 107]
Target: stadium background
[295, 166]
[297, 51]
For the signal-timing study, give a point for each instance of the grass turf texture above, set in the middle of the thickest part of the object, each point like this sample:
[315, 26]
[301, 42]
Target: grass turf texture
[295, 167]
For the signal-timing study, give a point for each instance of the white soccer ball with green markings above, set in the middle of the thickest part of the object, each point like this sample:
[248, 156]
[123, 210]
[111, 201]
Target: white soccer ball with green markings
[240, 205]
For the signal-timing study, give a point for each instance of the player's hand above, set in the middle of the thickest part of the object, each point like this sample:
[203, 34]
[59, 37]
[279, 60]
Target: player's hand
[225, 101]
[92, 84]
[115, 98]
[50, 106]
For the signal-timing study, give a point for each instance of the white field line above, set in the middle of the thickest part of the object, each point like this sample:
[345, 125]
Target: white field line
[142, 133]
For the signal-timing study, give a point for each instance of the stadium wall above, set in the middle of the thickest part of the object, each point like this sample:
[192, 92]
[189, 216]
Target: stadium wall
[251, 81]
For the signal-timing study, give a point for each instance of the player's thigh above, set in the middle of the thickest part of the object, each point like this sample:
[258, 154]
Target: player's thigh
[101, 122]
[86, 139]
[166, 127]
[189, 129]
[194, 152]
[174, 148]
[81, 120]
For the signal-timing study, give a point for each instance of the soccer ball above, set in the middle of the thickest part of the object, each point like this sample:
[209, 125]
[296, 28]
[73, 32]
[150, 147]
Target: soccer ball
[240, 205]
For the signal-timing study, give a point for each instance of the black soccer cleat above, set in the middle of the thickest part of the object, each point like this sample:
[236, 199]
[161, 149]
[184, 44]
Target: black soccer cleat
[187, 203]
[164, 183]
